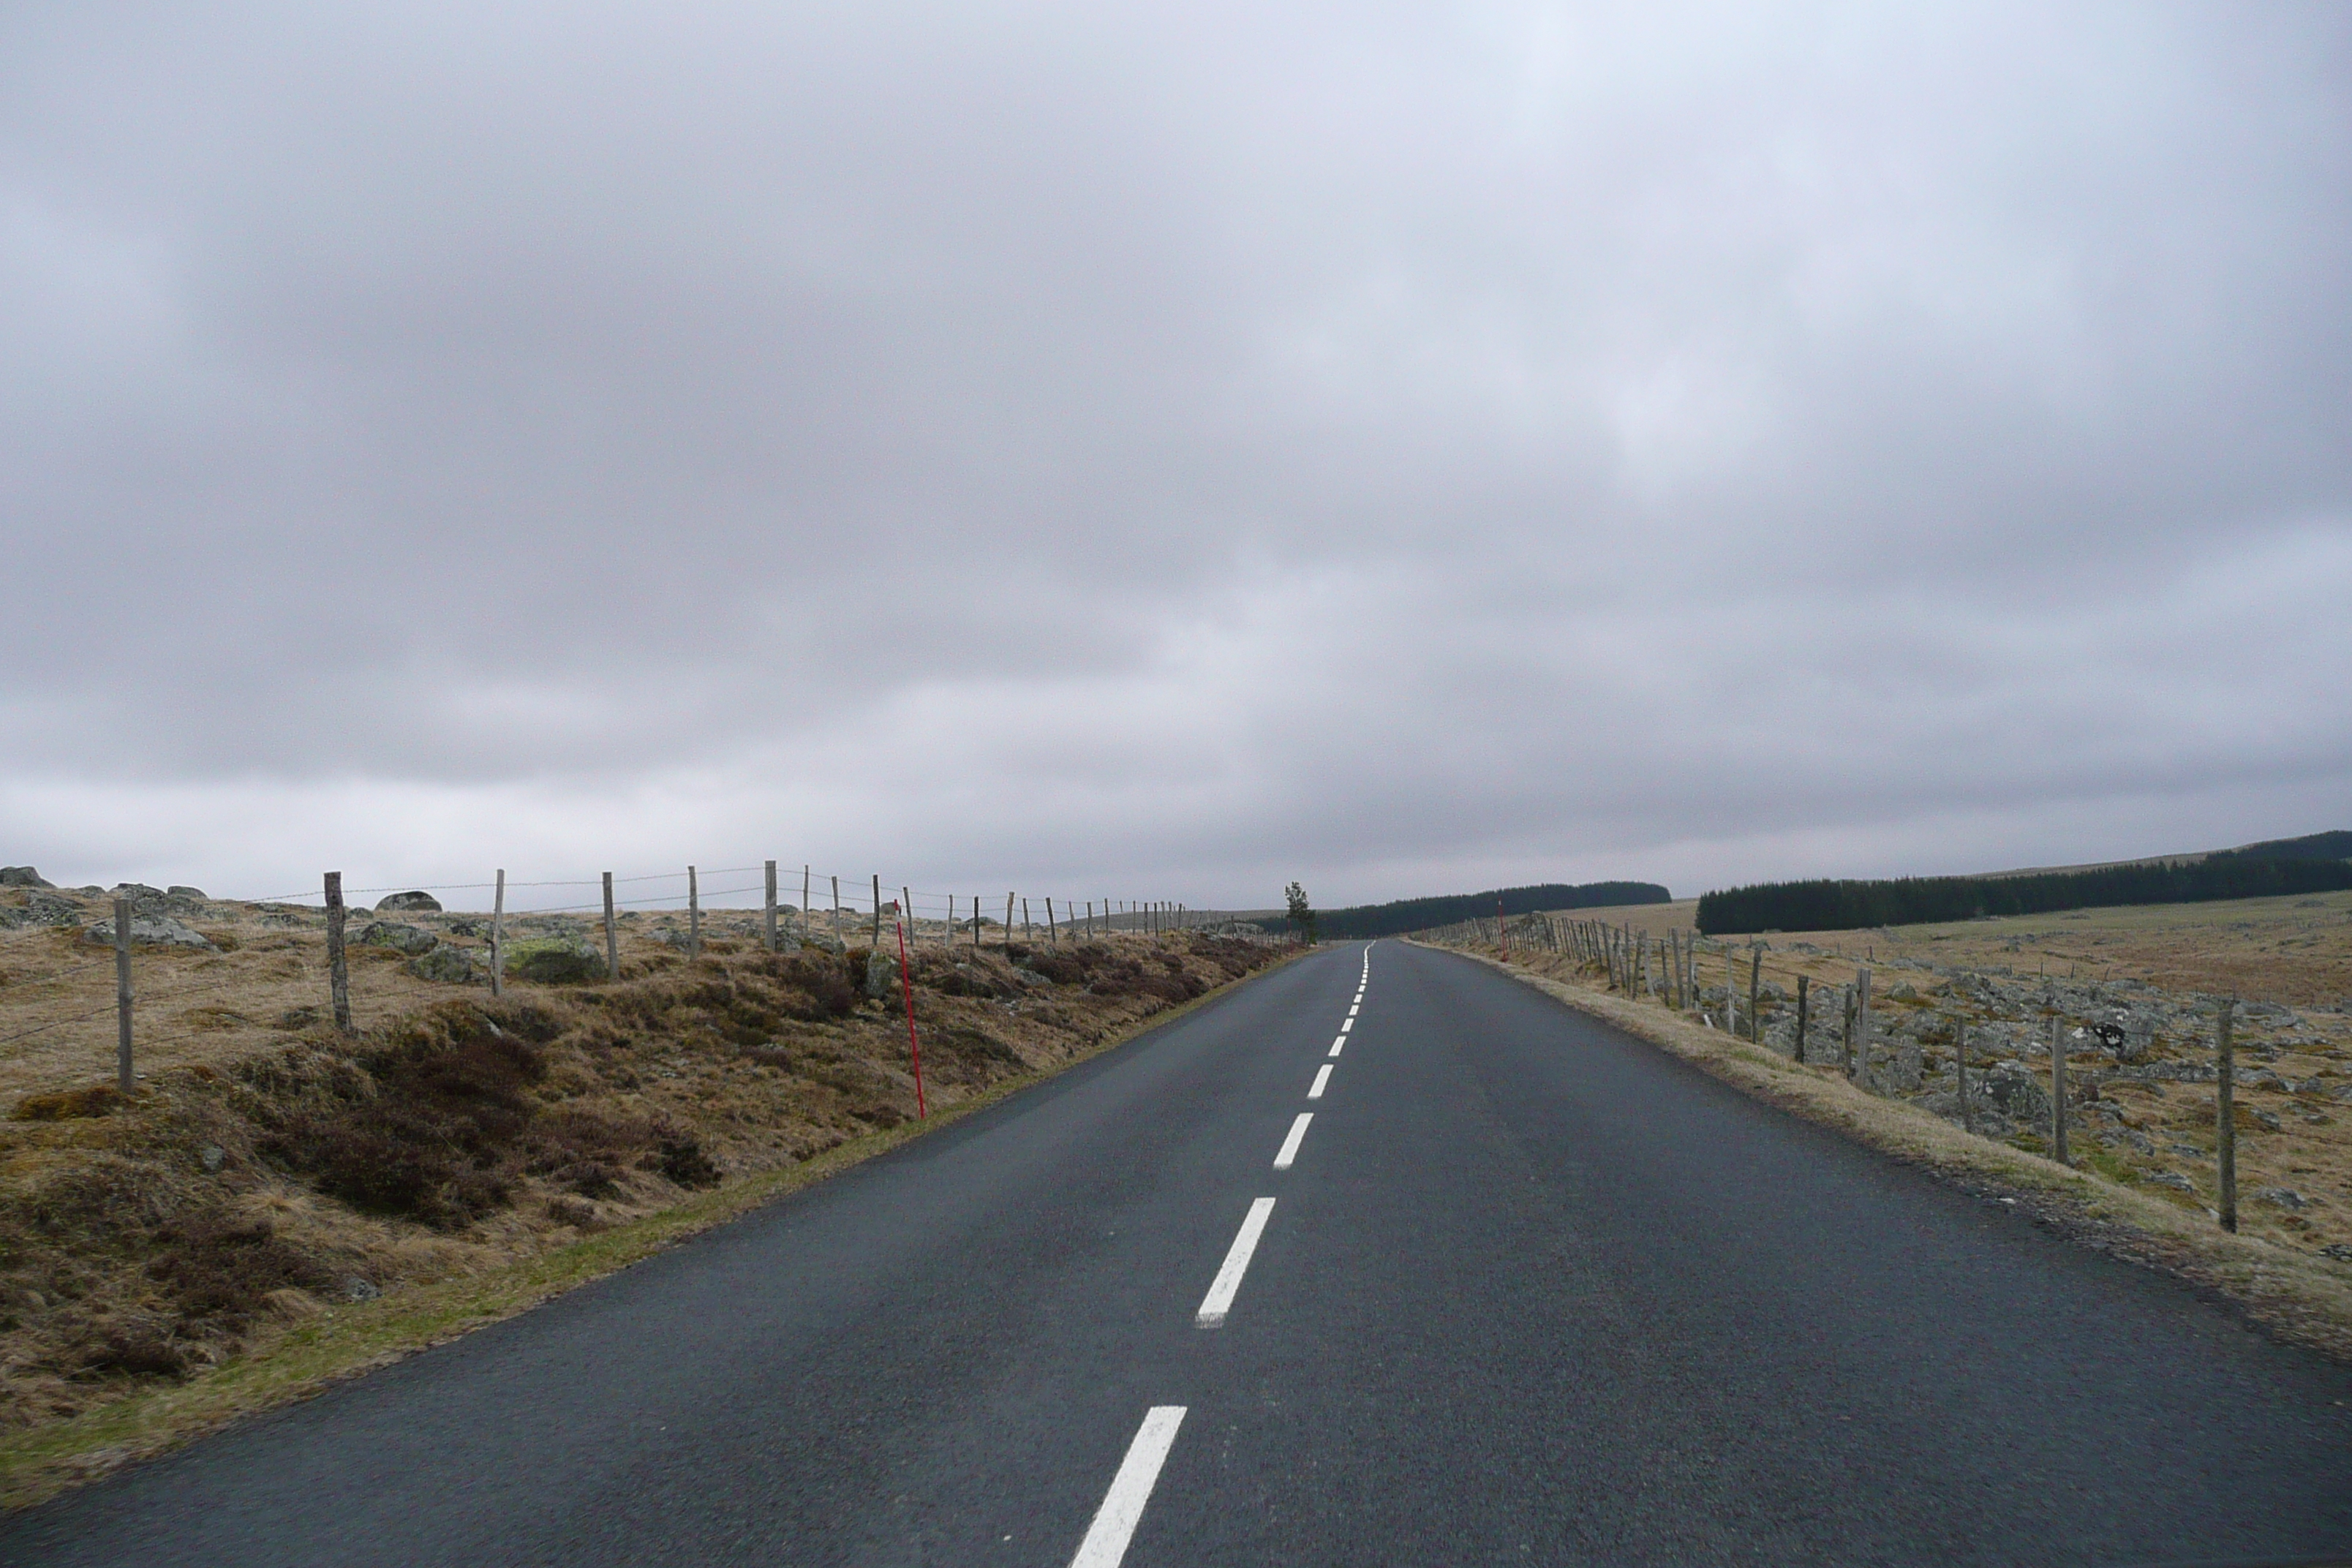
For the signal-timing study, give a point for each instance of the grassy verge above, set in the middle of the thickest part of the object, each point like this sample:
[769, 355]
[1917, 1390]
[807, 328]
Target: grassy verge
[2298, 1297]
[349, 1340]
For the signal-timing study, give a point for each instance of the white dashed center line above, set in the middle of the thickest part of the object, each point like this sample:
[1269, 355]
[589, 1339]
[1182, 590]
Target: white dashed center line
[1337, 1043]
[1290, 1145]
[1355, 1009]
[1322, 1076]
[1122, 1509]
[1220, 1299]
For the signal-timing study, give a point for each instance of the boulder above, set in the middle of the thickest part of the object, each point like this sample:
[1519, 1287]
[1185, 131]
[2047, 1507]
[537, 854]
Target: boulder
[410, 939]
[21, 876]
[177, 892]
[52, 909]
[413, 900]
[2282, 1198]
[555, 962]
[881, 974]
[150, 931]
[445, 966]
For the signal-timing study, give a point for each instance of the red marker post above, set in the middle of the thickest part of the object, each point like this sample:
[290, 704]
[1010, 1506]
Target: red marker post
[906, 985]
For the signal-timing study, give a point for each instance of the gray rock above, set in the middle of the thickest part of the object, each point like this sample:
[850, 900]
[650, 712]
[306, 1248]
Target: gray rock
[881, 973]
[2280, 1198]
[52, 909]
[414, 900]
[414, 940]
[556, 962]
[2173, 1179]
[358, 1289]
[2017, 1093]
[212, 1157]
[21, 876]
[445, 966]
[150, 931]
[2266, 1120]
[2341, 1251]
[197, 894]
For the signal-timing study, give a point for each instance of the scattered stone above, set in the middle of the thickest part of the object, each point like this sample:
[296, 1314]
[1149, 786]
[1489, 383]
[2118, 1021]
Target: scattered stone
[416, 898]
[212, 1157]
[445, 966]
[21, 876]
[150, 931]
[2340, 1251]
[2172, 1179]
[412, 940]
[358, 1289]
[2282, 1198]
[881, 974]
[2267, 1121]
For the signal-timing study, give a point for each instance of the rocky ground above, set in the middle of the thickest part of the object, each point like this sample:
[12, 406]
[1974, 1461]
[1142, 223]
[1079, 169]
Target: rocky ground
[2140, 1055]
[268, 1166]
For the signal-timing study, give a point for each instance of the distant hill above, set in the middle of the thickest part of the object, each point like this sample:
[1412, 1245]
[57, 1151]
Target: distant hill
[1420, 914]
[2320, 862]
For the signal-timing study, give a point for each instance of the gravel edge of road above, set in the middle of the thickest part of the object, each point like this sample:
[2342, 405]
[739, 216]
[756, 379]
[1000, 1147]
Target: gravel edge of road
[38, 1465]
[2298, 1299]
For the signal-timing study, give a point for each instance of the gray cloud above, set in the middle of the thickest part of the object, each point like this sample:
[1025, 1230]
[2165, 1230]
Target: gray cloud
[1168, 449]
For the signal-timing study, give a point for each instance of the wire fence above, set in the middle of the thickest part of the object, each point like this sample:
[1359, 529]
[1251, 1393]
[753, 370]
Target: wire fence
[826, 908]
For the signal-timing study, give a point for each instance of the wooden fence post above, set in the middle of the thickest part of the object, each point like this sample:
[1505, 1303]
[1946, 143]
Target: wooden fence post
[612, 933]
[693, 915]
[877, 912]
[2057, 1085]
[1862, 1024]
[1755, 979]
[907, 903]
[499, 937]
[1730, 994]
[1804, 1006]
[123, 1076]
[804, 901]
[1027, 933]
[769, 906]
[1008, 922]
[2225, 1113]
[836, 912]
[1846, 1027]
[975, 922]
[1053, 932]
[1960, 1072]
[339, 975]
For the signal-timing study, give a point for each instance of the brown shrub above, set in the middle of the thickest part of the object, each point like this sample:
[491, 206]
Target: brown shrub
[97, 1100]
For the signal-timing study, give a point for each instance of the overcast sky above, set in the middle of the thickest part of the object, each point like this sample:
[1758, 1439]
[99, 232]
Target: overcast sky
[1168, 449]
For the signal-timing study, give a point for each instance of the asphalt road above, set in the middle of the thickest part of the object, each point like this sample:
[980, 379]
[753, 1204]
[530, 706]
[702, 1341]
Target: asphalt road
[1529, 1292]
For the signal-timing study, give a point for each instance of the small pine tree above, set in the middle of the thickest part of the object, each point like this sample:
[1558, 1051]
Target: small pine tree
[1302, 917]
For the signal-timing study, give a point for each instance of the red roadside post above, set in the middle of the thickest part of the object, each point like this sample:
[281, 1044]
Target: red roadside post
[906, 985]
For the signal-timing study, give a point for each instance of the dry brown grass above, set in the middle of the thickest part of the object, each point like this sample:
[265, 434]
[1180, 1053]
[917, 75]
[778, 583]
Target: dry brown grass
[271, 1174]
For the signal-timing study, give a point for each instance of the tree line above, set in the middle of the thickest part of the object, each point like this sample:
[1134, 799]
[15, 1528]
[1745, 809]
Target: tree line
[1420, 914]
[1828, 904]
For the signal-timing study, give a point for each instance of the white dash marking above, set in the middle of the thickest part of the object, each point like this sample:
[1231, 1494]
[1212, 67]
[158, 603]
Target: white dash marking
[1122, 1508]
[1290, 1145]
[1322, 1076]
[1355, 1008]
[1346, 1025]
[1220, 1299]
[1337, 1043]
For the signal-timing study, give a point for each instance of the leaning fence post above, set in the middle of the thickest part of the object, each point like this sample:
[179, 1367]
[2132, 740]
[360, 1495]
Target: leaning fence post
[2225, 1113]
[339, 975]
[612, 933]
[2057, 1086]
[122, 1074]
[767, 904]
[1053, 932]
[1008, 922]
[1804, 1006]
[1026, 935]
[693, 915]
[499, 937]
[877, 912]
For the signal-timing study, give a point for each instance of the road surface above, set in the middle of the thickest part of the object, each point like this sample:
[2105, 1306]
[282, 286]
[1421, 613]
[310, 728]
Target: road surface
[1379, 1258]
